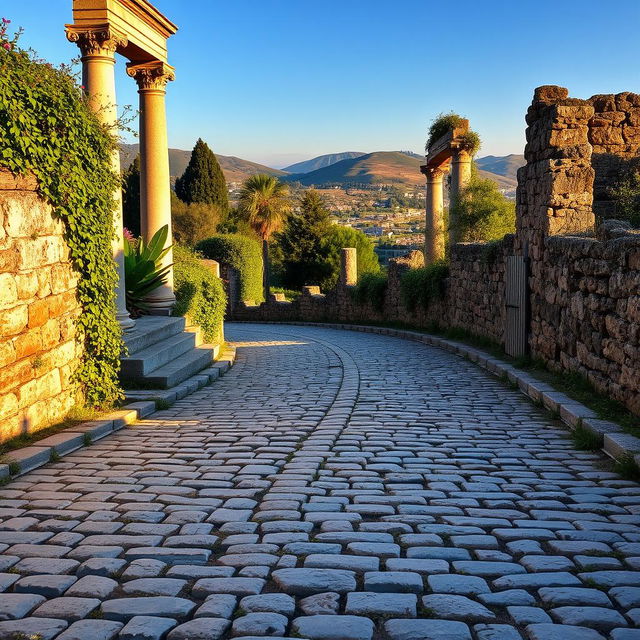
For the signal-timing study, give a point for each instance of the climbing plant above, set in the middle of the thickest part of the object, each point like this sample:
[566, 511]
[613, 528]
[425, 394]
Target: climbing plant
[47, 128]
[419, 287]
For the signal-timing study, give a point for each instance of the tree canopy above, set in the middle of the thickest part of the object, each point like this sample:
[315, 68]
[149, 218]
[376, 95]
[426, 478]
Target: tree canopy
[301, 248]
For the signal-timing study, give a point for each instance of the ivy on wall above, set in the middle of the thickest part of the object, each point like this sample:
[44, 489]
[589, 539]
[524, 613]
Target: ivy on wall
[47, 128]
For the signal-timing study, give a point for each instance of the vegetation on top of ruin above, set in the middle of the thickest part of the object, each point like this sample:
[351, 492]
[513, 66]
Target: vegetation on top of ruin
[48, 129]
[420, 287]
[446, 122]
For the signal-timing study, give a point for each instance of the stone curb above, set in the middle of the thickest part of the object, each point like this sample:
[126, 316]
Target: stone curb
[616, 443]
[60, 444]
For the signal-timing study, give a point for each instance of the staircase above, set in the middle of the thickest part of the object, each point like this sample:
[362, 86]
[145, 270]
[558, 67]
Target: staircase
[163, 352]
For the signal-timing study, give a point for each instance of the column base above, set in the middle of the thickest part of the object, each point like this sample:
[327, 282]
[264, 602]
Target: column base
[159, 306]
[126, 322]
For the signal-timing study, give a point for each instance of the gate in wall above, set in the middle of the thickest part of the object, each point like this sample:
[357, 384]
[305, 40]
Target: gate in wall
[517, 301]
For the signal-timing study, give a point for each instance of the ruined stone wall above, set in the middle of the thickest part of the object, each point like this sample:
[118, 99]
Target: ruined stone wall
[38, 307]
[473, 298]
[587, 306]
[614, 134]
[584, 290]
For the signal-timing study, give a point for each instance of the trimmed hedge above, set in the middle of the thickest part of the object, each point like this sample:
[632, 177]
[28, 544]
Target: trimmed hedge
[199, 293]
[421, 286]
[371, 288]
[243, 254]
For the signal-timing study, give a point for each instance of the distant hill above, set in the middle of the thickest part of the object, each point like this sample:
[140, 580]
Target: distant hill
[322, 161]
[380, 167]
[506, 166]
[234, 169]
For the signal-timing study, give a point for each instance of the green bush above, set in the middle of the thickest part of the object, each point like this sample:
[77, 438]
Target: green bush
[199, 293]
[418, 287]
[626, 196]
[371, 287]
[48, 128]
[483, 213]
[193, 222]
[244, 254]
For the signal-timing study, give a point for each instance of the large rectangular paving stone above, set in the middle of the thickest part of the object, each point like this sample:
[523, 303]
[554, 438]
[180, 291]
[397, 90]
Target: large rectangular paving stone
[121, 609]
[323, 627]
[304, 582]
[427, 630]
[369, 604]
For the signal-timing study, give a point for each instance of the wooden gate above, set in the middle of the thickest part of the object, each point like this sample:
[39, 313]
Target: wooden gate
[517, 299]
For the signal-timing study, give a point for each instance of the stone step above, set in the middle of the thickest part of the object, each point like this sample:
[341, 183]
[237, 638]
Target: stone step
[152, 329]
[181, 368]
[156, 355]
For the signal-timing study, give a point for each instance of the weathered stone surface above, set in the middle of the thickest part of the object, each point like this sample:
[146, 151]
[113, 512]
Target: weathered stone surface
[164, 606]
[320, 604]
[18, 605]
[454, 607]
[302, 582]
[41, 628]
[200, 629]
[94, 629]
[427, 630]
[260, 624]
[561, 632]
[146, 628]
[369, 604]
[321, 627]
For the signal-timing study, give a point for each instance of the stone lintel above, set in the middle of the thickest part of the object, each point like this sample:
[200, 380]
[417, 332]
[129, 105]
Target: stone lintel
[145, 28]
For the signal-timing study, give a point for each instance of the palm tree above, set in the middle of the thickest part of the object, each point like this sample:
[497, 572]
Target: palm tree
[264, 203]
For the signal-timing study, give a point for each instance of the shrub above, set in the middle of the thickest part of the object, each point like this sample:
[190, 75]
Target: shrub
[244, 254]
[199, 293]
[418, 287]
[371, 287]
[193, 222]
[482, 212]
[48, 128]
[626, 196]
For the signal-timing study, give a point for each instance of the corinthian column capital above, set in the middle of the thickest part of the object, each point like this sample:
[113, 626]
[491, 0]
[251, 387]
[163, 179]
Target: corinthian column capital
[97, 40]
[151, 76]
[433, 174]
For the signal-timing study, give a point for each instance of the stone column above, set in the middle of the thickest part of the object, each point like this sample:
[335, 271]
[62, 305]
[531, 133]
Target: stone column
[349, 267]
[434, 244]
[460, 175]
[98, 47]
[155, 189]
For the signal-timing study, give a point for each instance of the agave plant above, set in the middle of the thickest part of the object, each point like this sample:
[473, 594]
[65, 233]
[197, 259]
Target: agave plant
[143, 269]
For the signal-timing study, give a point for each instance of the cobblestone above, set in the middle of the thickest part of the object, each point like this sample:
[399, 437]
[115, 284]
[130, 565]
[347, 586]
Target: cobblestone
[333, 485]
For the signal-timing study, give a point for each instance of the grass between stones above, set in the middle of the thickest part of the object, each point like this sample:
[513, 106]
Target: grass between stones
[585, 440]
[627, 468]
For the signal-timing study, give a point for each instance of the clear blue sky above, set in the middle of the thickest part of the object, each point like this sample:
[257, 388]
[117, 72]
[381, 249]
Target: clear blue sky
[276, 81]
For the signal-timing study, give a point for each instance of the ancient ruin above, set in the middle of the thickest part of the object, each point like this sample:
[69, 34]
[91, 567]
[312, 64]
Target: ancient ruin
[139, 32]
[447, 154]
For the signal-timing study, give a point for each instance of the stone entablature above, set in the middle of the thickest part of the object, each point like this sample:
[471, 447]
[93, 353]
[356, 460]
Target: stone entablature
[38, 308]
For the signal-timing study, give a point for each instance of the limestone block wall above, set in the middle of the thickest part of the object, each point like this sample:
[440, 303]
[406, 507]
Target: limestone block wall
[38, 307]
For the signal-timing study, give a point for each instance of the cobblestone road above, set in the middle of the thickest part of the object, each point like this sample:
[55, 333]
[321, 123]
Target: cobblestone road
[333, 485]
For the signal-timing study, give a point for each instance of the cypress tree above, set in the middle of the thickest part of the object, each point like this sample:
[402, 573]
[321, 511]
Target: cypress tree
[131, 197]
[203, 180]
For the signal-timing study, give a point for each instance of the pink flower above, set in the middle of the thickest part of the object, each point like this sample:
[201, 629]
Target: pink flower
[6, 21]
[7, 46]
[127, 234]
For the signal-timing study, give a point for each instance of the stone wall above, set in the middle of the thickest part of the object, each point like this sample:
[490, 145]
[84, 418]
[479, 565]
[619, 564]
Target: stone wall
[583, 295]
[38, 307]
[473, 299]
[587, 310]
[614, 134]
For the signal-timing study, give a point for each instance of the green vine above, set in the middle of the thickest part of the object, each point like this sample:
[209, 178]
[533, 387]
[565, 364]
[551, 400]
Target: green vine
[48, 129]
[418, 287]
[371, 288]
